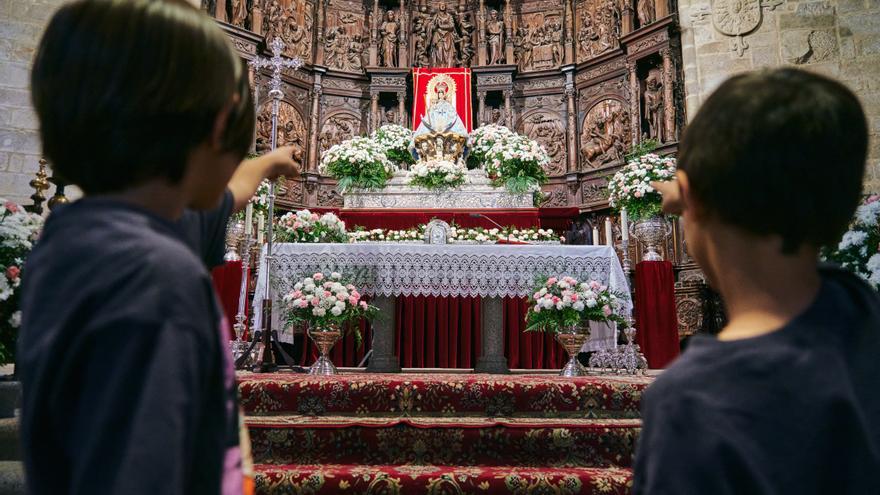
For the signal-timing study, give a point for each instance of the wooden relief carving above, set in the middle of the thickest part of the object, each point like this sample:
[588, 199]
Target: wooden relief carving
[328, 197]
[538, 41]
[547, 128]
[495, 37]
[291, 130]
[291, 20]
[604, 134]
[654, 112]
[597, 25]
[345, 41]
[554, 197]
[337, 128]
[442, 36]
[389, 33]
[291, 190]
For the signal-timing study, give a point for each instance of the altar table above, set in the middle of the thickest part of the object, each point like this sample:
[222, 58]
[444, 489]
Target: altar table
[387, 270]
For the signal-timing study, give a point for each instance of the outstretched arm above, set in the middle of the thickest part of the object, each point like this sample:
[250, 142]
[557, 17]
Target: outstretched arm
[250, 173]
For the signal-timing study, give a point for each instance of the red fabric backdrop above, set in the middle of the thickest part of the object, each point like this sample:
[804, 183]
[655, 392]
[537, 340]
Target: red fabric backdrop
[227, 282]
[656, 320]
[462, 77]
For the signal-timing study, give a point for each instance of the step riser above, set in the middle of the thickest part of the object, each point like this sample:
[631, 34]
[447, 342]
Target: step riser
[327, 480]
[401, 444]
[443, 395]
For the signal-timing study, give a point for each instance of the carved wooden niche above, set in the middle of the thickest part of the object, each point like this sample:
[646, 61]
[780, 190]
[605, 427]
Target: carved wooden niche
[597, 28]
[537, 43]
[292, 21]
[548, 129]
[346, 38]
[329, 197]
[338, 126]
[604, 132]
[291, 132]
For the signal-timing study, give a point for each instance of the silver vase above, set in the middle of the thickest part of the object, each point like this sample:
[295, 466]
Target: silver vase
[651, 232]
[572, 339]
[324, 338]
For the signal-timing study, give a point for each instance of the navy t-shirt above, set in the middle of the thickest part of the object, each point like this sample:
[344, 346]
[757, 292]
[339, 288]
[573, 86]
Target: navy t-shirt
[795, 411]
[125, 385]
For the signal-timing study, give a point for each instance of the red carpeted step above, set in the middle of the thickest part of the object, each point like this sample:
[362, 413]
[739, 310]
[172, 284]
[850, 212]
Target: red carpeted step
[453, 441]
[416, 480]
[443, 395]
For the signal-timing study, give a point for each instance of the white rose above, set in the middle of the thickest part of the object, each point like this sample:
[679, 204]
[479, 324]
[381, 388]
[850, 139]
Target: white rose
[336, 311]
[319, 312]
[578, 306]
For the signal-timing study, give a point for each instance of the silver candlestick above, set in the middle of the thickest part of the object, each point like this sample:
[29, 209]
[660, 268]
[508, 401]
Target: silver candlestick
[277, 63]
[239, 346]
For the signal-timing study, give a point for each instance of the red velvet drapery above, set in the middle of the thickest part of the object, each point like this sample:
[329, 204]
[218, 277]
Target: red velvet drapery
[227, 282]
[656, 320]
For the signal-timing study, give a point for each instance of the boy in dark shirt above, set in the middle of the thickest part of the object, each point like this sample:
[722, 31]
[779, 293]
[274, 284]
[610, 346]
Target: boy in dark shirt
[127, 386]
[785, 400]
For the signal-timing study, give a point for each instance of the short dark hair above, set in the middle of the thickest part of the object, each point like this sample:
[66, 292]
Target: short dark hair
[126, 89]
[779, 152]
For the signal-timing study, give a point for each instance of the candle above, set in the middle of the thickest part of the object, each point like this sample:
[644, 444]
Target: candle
[624, 225]
[249, 220]
[261, 224]
[595, 236]
[609, 234]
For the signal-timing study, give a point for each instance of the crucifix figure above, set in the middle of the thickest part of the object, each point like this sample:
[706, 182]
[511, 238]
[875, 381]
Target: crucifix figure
[277, 63]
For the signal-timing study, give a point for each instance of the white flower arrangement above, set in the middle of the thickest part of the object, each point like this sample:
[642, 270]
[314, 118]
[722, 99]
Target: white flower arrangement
[395, 140]
[859, 249]
[563, 302]
[483, 138]
[358, 162]
[517, 162]
[630, 188]
[437, 174]
[323, 300]
[18, 232]
[305, 226]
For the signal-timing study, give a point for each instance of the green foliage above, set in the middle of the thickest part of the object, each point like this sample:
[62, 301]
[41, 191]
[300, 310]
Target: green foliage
[436, 180]
[519, 176]
[643, 148]
[400, 156]
[365, 176]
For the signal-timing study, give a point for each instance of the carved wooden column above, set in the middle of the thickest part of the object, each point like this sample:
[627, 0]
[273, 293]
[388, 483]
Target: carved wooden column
[508, 33]
[668, 98]
[481, 107]
[508, 111]
[374, 111]
[319, 36]
[661, 9]
[257, 19]
[374, 34]
[402, 51]
[635, 92]
[220, 11]
[568, 27]
[314, 119]
[628, 16]
[482, 56]
[401, 107]
[571, 120]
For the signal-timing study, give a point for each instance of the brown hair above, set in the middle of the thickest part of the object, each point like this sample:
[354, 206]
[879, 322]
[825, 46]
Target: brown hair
[125, 89]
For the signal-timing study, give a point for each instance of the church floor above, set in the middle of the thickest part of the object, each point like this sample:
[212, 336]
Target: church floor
[415, 433]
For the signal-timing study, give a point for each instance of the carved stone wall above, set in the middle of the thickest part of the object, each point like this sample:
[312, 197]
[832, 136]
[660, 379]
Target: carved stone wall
[840, 38]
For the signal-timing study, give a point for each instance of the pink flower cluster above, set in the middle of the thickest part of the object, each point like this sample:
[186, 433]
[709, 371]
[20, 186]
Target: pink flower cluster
[325, 296]
[566, 292]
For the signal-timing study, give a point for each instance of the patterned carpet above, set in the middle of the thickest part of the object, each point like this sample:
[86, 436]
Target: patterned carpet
[442, 433]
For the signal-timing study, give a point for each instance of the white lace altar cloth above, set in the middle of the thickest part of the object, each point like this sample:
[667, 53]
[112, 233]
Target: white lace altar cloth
[448, 270]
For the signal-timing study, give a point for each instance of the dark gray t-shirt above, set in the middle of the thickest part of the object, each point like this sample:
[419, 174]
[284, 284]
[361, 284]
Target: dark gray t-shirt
[796, 411]
[205, 231]
[120, 358]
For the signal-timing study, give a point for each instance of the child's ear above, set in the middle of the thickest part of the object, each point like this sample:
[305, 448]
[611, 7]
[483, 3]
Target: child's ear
[687, 201]
[221, 124]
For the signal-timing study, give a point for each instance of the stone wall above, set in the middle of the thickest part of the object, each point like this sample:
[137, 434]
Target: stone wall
[839, 38]
[21, 25]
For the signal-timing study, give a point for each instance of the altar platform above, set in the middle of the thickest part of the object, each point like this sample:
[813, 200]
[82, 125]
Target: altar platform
[425, 433]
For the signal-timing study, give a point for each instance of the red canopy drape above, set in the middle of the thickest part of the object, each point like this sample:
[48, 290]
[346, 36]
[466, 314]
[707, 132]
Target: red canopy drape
[227, 282]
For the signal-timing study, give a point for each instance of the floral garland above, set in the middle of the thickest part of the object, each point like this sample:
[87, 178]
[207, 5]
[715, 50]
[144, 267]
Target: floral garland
[437, 174]
[517, 163]
[630, 188]
[323, 301]
[481, 141]
[560, 303]
[395, 140]
[18, 231]
[359, 162]
[457, 234]
[305, 226]
[859, 250]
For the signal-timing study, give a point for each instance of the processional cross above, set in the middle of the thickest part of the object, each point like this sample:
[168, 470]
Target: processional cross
[266, 361]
